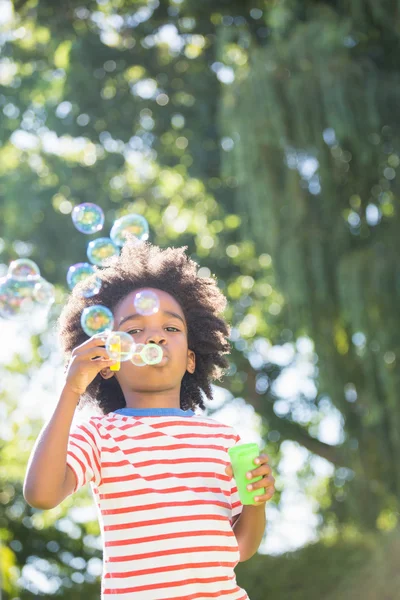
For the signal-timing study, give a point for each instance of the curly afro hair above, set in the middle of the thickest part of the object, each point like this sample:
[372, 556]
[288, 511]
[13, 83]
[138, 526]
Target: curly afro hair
[145, 265]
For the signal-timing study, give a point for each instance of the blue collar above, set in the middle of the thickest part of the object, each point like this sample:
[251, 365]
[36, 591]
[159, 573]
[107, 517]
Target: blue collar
[154, 412]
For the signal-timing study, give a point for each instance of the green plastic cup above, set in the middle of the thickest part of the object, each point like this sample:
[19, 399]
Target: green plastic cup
[242, 459]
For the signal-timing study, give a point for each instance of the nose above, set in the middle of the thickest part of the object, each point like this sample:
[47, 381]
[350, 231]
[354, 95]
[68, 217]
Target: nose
[155, 338]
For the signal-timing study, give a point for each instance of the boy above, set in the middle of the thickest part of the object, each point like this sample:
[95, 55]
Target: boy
[172, 525]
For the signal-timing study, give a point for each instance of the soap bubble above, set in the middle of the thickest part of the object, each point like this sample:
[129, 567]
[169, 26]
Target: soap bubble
[135, 225]
[24, 298]
[88, 218]
[120, 346]
[82, 272]
[146, 302]
[23, 269]
[147, 354]
[89, 287]
[137, 358]
[102, 335]
[16, 297]
[44, 293]
[152, 354]
[96, 319]
[100, 250]
[79, 272]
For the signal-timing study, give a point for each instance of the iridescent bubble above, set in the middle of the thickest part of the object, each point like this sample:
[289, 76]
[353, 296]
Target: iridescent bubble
[16, 297]
[152, 354]
[23, 269]
[102, 335]
[137, 358]
[44, 293]
[88, 218]
[120, 346]
[89, 287]
[146, 302]
[96, 318]
[82, 272]
[100, 250]
[79, 272]
[135, 225]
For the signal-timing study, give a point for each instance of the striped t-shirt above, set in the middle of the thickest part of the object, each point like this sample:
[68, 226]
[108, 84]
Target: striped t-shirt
[165, 504]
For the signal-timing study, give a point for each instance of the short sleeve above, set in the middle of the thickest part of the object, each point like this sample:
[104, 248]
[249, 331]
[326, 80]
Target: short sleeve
[236, 505]
[83, 454]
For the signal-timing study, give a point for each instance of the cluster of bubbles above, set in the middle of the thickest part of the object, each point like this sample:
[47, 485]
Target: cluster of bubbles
[23, 291]
[88, 218]
[97, 320]
[121, 347]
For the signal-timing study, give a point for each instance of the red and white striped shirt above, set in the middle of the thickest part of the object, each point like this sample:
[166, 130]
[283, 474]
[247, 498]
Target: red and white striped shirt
[165, 503]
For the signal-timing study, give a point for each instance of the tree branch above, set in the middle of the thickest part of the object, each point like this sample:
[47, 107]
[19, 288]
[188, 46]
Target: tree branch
[293, 431]
[290, 429]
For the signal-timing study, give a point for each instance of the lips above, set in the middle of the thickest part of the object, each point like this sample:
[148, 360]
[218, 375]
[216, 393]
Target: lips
[164, 359]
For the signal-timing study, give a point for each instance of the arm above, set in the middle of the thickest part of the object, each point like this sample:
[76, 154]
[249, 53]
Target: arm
[249, 526]
[249, 529]
[48, 480]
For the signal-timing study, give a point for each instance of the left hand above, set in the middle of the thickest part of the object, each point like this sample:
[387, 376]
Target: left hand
[266, 481]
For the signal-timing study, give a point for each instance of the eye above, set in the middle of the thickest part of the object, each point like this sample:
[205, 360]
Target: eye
[133, 331]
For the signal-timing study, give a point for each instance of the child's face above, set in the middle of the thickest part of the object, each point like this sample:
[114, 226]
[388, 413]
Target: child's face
[168, 329]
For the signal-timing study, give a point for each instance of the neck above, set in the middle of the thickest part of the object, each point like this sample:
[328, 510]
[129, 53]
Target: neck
[151, 399]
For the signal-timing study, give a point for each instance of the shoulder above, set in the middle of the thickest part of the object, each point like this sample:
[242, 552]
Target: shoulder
[94, 424]
[216, 427]
[93, 430]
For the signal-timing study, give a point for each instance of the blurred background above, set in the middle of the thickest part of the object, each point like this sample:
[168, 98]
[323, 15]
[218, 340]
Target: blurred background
[264, 136]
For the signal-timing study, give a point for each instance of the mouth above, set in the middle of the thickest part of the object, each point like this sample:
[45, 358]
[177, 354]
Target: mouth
[162, 362]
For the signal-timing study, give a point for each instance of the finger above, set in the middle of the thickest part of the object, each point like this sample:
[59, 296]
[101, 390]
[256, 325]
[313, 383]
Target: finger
[262, 458]
[260, 471]
[265, 497]
[229, 471]
[98, 340]
[265, 482]
[94, 342]
[93, 354]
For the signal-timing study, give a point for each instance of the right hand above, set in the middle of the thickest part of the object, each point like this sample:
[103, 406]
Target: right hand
[87, 360]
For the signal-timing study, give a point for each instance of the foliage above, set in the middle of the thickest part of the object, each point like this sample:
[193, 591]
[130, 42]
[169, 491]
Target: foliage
[312, 572]
[264, 136]
[76, 129]
[64, 554]
[318, 108]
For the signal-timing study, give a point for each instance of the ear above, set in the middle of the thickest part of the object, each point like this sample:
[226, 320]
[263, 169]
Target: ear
[191, 362]
[107, 373]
